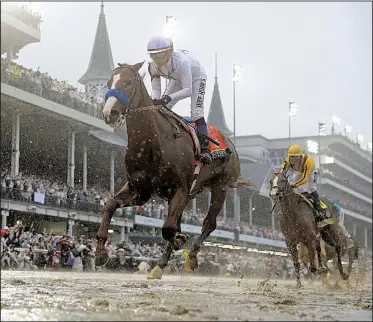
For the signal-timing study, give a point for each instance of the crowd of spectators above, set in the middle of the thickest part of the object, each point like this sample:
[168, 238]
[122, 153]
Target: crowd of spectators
[23, 13]
[24, 248]
[24, 186]
[41, 84]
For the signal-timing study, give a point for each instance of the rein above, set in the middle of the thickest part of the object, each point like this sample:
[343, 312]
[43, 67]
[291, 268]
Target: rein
[281, 195]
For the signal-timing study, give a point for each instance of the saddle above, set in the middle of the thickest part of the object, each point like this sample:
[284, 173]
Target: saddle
[218, 152]
[307, 198]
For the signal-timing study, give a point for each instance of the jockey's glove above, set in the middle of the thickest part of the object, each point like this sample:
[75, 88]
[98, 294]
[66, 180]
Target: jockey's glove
[293, 186]
[164, 100]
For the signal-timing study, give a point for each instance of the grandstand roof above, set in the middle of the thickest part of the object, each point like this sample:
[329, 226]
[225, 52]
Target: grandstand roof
[101, 64]
[216, 113]
[256, 173]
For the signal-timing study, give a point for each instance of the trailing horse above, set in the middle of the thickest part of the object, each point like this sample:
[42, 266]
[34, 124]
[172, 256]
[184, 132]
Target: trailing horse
[299, 226]
[329, 253]
[162, 161]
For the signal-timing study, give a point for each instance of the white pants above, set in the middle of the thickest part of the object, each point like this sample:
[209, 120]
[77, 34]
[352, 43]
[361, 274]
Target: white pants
[197, 99]
[309, 186]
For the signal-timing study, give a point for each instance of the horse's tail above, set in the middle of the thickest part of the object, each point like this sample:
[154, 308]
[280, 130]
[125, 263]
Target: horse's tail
[242, 183]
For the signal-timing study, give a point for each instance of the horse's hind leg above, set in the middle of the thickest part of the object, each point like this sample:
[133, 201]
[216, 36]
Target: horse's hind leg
[311, 246]
[292, 247]
[323, 268]
[125, 197]
[339, 258]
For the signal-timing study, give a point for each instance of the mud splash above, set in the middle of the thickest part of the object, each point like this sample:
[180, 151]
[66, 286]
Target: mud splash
[103, 296]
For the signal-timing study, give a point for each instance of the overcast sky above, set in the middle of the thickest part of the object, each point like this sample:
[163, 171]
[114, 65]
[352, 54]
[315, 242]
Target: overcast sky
[316, 54]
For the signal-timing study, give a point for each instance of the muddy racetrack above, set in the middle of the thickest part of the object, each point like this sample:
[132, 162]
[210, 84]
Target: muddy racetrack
[42, 296]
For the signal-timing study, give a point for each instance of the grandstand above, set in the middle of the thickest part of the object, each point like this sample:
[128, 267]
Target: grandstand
[61, 161]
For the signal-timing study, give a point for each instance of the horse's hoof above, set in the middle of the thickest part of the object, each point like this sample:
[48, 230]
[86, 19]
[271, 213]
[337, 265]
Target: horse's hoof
[344, 276]
[179, 240]
[322, 270]
[101, 260]
[299, 284]
[155, 274]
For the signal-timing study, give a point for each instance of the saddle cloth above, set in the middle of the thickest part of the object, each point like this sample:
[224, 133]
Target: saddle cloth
[307, 198]
[217, 152]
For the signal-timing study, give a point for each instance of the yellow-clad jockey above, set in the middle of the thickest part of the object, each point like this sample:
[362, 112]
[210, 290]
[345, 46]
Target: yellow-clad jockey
[303, 175]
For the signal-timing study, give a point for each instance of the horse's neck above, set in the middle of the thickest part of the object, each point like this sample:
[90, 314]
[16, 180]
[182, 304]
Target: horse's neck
[289, 202]
[141, 125]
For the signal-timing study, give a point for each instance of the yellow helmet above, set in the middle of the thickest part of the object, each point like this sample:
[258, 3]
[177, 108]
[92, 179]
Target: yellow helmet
[295, 150]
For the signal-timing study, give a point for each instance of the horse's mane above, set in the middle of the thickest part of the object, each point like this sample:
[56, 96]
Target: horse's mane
[121, 65]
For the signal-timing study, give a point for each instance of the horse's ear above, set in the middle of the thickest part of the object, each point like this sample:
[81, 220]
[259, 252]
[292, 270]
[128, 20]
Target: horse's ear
[138, 65]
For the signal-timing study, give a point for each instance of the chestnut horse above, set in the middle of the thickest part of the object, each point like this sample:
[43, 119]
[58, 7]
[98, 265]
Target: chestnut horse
[161, 162]
[298, 225]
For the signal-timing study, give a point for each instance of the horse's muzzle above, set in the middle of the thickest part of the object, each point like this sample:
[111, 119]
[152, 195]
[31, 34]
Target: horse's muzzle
[115, 119]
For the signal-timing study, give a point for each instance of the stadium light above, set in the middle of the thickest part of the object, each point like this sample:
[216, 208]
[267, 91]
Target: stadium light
[237, 73]
[293, 108]
[369, 147]
[312, 146]
[171, 27]
[348, 130]
[237, 76]
[322, 129]
[336, 121]
[359, 138]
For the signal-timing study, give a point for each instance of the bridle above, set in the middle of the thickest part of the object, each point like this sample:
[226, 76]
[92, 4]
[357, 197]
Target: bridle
[127, 101]
[281, 194]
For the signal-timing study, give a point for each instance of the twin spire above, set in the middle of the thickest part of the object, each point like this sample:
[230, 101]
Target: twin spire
[216, 113]
[101, 63]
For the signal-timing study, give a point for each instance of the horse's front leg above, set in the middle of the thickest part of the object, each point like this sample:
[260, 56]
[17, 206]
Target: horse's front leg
[171, 231]
[323, 266]
[339, 258]
[218, 196]
[292, 247]
[125, 197]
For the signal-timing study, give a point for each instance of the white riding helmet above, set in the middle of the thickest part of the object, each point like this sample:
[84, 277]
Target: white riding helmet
[158, 44]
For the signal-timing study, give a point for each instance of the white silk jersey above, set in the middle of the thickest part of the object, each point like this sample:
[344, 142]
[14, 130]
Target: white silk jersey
[182, 70]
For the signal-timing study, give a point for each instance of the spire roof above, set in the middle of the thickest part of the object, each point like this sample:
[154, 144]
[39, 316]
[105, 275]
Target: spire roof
[101, 63]
[216, 113]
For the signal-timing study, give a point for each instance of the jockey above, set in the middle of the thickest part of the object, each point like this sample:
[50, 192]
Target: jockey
[344, 231]
[303, 177]
[187, 78]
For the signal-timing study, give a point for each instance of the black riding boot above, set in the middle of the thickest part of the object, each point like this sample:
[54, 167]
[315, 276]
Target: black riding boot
[320, 215]
[202, 133]
[205, 155]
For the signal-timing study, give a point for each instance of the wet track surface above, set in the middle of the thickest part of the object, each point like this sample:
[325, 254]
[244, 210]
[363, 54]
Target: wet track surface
[47, 296]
